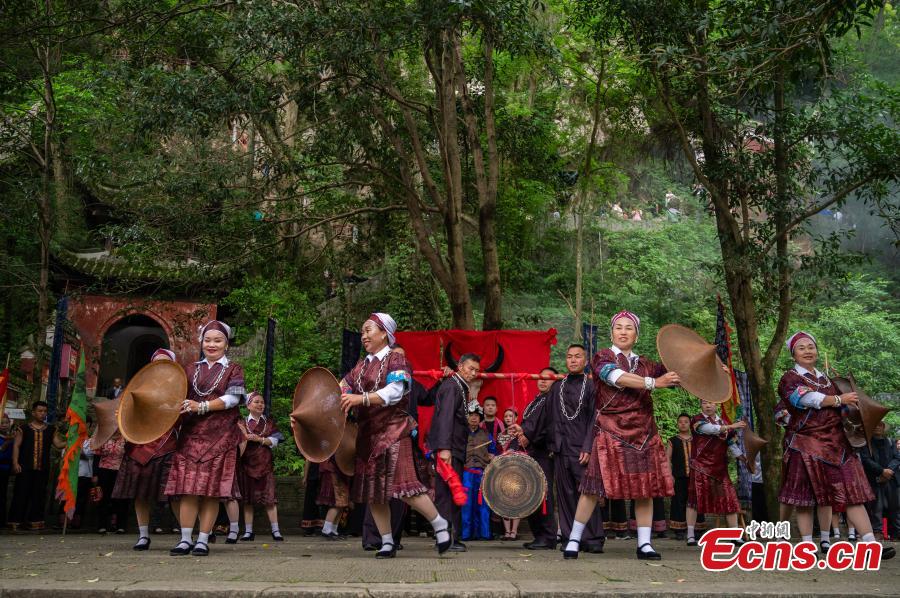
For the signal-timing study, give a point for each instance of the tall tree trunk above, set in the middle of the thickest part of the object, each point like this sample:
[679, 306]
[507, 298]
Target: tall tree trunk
[579, 275]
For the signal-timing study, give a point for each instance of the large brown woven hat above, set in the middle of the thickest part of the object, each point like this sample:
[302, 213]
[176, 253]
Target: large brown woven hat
[151, 403]
[859, 425]
[753, 443]
[514, 485]
[345, 456]
[318, 420]
[107, 423]
[684, 352]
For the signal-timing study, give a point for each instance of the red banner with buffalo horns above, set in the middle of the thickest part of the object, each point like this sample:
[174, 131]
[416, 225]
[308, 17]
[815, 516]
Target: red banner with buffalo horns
[503, 351]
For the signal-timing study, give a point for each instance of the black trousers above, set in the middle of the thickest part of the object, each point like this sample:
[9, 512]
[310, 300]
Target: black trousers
[4, 484]
[543, 522]
[885, 506]
[29, 497]
[111, 507]
[370, 533]
[758, 509]
[568, 472]
[443, 500]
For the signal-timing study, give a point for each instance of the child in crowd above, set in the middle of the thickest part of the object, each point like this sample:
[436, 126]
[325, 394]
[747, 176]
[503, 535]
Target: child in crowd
[476, 516]
[510, 418]
[257, 474]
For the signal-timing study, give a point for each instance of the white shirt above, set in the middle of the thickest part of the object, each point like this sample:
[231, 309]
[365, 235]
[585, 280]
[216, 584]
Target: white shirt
[813, 398]
[393, 392]
[229, 400]
[617, 373]
[274, 438]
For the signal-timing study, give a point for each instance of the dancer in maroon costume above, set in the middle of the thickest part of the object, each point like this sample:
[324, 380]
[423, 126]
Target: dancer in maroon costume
[709, 488]
[386, 465]
[204, 467]
[820, 468]
[627, 457]
[145, 472]
[256, 477]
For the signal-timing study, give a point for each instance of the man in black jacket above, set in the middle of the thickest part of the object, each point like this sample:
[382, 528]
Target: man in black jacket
[882, 465]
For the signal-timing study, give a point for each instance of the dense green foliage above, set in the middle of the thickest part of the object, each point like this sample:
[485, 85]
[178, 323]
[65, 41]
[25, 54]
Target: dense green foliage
[311, 162]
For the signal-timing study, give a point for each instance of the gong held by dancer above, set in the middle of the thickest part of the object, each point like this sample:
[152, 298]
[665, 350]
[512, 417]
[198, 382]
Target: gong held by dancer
[377, 390]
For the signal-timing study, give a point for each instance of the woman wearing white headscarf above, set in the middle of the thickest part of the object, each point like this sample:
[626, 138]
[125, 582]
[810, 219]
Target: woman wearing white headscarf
[387, 467]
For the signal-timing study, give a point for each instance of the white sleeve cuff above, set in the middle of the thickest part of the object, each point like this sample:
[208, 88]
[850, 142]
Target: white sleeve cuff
[614, 377]
[230, 401]
[274, 440]
[709, 429]
[735, 450]
[392, 393]
[812, 399]
[86, 449]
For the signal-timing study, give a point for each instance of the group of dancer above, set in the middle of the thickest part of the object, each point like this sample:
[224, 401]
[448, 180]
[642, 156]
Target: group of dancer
[594, 435]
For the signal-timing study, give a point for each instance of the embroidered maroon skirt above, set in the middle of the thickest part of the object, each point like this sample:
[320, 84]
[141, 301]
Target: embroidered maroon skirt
[806, 481]
[147, 482]
[334, 490]
[214, 478]
[257, 491]
[616, 470]
[399, 472]
[710, 495]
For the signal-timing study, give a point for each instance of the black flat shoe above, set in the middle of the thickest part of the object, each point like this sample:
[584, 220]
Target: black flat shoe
[571, 554]
[447, 544]
[231, 539]
[200, 549]
[691, 542]
[386, 554]
[457, 547]
[142, 545]
[593, 548]
[887, 553]
[181, 549]
[248, 537]
[652, 555]
[277, 537]
[538, 546]
[370, 547]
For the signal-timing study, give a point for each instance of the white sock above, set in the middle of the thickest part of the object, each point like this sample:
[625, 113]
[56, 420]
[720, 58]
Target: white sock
[186, 534]
[203, 537]
[690, 532]
[248, 528]
[575, 536]
[806, 538]
[274, 526]
[327, 527]
[386, 539]
[439, 525]
[233, 528]
[644, 534]
[836, 532]
[851, 531]
[143, 531]
[870, 537]
[824, 537]
[142, 541]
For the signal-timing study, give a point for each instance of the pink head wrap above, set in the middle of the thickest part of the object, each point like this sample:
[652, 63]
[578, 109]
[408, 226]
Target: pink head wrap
[216, 325]
[626, 314]
[386, 323]
[163, 353]
[796, 338]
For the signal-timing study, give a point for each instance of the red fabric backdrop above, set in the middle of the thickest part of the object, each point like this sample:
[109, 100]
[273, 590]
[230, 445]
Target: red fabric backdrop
[525, 351]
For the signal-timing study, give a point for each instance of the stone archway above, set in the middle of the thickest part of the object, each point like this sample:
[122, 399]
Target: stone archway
[126, 347]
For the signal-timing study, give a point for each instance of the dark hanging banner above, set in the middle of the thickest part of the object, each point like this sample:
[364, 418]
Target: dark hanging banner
[351, 345]
[270, 364]
[62, 308]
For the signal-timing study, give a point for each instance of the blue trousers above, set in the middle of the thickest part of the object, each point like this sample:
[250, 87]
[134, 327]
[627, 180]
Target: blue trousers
[476, 518]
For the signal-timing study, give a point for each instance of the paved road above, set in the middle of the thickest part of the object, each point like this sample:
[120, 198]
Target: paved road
[92, 565]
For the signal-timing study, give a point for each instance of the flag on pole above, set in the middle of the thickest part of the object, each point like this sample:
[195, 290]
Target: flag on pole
[731, 409]
[4, 384]
[76, 417]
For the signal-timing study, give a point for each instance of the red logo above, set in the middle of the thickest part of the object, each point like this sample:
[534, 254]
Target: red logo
[719, 553]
